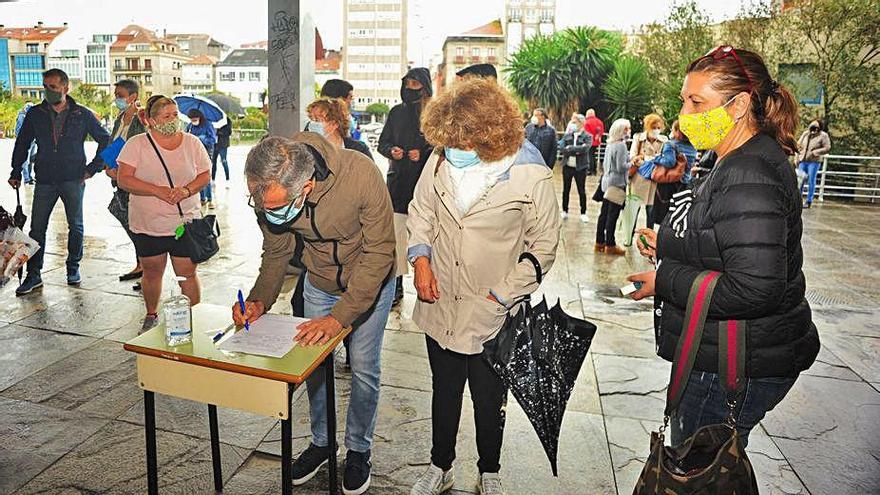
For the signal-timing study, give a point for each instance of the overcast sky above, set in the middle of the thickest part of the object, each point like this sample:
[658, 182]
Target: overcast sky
[430, 20]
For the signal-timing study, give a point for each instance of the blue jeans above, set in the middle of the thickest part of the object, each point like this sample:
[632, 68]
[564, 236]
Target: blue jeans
[27, 169]
[45, 197]
[206, 193]
[221, 152]
[705, 403]
[812, 170]
[364, 350]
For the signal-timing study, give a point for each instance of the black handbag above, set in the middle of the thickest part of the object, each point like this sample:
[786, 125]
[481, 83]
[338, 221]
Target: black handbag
[200, 234]
[118, 206]
[713, 460]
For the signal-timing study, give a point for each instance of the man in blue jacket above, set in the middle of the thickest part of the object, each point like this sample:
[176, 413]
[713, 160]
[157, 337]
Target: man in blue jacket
[59, 126]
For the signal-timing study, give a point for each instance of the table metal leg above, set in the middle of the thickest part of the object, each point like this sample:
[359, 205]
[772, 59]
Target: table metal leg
[215, 447]
[150, 430]
[287, 447]
[332, 482]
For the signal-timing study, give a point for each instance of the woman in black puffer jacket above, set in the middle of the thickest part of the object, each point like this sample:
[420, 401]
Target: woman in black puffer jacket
[742, 220]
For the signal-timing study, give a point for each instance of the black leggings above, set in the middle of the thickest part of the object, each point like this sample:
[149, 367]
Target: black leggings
[607, 223]
[449, 372]
[580, 178]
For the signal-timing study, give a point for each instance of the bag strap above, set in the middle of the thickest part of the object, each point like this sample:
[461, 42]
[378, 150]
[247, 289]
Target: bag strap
[539, 275]
[731, 344]
[165, 167]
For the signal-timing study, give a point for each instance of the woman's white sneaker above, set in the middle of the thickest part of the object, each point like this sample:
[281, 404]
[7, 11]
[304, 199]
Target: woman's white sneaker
[490, 484]
[434, 481]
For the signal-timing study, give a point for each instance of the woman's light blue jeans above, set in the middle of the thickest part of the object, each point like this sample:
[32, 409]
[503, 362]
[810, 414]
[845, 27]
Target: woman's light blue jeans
[364, 351]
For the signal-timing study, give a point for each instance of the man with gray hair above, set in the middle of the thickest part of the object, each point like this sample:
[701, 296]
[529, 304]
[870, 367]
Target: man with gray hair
[337, 201]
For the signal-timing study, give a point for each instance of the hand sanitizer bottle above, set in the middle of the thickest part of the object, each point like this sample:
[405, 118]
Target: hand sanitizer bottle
[178, 318]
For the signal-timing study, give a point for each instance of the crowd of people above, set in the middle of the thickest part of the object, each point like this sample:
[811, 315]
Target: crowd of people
[467, 192]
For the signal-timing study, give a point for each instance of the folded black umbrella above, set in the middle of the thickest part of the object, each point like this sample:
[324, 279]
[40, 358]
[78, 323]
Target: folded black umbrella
[19, 219]
[538, 354]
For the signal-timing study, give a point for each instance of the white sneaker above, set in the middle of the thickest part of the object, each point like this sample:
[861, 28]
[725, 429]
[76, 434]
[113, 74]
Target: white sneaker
[585, 218]
[434, 481]
[490, 484]
[564, 215]
[210, 205]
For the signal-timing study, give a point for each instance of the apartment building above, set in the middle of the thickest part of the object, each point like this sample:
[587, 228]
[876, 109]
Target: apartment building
[155, 62]
[374, 49]
[23, 57]
[523, 19]
[482, 45]
[244, 74]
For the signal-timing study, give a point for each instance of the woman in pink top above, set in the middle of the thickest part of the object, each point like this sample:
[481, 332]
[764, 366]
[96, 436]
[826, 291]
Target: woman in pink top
[153, 214]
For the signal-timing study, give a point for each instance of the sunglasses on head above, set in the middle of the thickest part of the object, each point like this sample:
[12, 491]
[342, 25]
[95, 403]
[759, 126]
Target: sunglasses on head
[723, 51]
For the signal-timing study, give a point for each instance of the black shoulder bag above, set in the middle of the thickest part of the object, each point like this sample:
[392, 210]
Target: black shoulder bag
[200, 234]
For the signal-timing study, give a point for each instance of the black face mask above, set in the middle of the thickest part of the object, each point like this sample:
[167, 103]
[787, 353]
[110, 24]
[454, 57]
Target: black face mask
[814, 129]
[411, 95]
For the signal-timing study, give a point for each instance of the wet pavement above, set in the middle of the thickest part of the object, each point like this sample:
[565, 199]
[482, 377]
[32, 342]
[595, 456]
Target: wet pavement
[71, 410]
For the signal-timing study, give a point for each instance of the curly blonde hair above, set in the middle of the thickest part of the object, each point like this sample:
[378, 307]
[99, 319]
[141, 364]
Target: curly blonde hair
[476, 114]
[651, 119]
[334, 109]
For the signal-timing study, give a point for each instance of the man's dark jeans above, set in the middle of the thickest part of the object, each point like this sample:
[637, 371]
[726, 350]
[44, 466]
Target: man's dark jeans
[45, 198]
[705, 403]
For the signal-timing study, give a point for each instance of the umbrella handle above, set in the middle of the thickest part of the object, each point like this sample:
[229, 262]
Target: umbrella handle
[539, 274]
[17, 196]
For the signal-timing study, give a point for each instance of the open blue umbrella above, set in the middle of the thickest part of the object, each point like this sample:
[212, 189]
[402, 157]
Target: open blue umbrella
[211, 111]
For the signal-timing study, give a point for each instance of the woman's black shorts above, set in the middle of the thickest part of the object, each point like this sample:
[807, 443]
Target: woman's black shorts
[148, 245]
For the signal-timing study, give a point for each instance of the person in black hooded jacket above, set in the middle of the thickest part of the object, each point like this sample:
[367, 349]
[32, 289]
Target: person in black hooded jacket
[742, 220]
[406, 149]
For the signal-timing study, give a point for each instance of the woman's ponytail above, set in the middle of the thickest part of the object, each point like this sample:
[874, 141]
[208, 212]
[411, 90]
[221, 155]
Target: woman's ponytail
[780, 116]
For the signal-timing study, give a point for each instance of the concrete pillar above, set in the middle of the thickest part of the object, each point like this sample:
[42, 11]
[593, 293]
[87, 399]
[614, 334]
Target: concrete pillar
[291, 65]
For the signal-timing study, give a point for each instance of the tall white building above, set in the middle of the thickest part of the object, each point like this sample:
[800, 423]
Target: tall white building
[523, 19]
[374, 49]
[96, 62]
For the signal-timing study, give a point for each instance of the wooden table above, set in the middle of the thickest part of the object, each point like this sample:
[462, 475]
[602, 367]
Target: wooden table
[199, 371]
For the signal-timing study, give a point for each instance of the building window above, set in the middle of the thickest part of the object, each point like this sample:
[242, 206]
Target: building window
[117, 64]
[490, 52]
[254, 76]
[459, 51]
[148, 64]
[241, 76]
[475, 51]
[33, 47]
[148, 79]
[227, 76]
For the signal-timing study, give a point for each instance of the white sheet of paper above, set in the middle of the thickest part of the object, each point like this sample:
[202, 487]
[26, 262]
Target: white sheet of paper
[271, 335]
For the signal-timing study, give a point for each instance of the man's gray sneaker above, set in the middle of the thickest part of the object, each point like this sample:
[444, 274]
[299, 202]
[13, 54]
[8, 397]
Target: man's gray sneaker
[490, 484]
[434, 481]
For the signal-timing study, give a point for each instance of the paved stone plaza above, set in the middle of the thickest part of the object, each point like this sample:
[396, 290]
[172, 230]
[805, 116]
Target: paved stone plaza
[71, 411]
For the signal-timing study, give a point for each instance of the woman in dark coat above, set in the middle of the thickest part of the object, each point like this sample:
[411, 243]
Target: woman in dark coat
[743, 220]
[404, 145]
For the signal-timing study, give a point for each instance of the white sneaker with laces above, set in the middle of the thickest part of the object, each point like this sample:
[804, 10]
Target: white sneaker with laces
[434, 481]
[585, 218]
[490, 484]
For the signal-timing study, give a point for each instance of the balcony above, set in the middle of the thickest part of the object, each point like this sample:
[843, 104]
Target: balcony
[492, 59]
[475, 59]
[459, 59]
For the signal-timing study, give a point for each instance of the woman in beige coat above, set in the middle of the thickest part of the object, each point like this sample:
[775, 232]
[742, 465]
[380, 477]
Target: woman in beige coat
[645, 146]
[484, 197]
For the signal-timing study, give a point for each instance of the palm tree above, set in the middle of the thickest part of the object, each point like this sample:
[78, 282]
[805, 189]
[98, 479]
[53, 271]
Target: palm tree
[564, 71]
[628, 89]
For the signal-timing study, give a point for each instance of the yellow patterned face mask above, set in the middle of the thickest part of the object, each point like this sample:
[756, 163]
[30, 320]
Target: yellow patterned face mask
[706, 130]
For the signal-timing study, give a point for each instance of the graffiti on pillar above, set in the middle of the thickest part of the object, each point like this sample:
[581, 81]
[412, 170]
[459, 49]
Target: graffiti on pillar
[285, 41]
[283, 100]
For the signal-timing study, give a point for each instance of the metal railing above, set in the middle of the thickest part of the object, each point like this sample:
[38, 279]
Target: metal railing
[247, 135]
[852, 177]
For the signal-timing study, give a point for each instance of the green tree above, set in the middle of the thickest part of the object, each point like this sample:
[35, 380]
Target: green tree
[92, 97]
[628, 89]
[379, 110]
[565, 71]
[667, 47]
[841, 42]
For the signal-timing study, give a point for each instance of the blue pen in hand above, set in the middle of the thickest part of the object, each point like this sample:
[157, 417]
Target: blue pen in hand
[247, 325]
